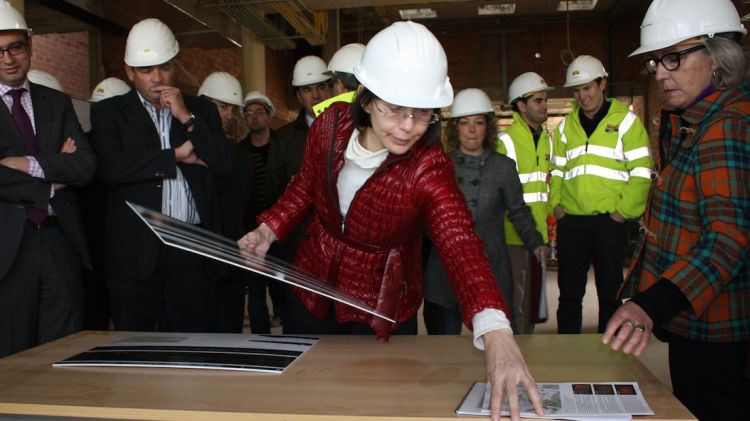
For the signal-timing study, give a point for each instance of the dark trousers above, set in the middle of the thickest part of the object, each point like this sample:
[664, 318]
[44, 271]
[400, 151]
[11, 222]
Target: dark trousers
[175, 298]
[581, 241]
[298, 321]
[441, 320]
[228, 302]
[257, 309]
[41, 296]
[96, 305]
[93, 208]
[711, 379]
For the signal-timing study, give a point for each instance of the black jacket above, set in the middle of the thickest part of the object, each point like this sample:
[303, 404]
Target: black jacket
[133, 166]
[55, 121]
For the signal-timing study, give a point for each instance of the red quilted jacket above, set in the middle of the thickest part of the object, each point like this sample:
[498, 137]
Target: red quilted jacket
[374, 254]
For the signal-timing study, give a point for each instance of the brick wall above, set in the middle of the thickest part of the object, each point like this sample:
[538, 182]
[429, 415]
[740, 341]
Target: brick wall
[279, 66]
[195, 64]
[65, 56]
[491, 58]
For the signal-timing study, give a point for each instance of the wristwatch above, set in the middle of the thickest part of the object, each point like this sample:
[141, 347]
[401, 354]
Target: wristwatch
[190, 121]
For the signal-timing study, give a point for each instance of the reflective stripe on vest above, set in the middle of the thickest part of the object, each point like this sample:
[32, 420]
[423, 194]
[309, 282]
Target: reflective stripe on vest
[615, 153]
[535, 197]
[530, 177]
[597, 170]
[560, 161]
[525, 178]
[510, 147]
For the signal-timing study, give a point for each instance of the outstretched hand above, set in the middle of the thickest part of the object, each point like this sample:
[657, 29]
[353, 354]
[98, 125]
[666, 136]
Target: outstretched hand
[506, 370]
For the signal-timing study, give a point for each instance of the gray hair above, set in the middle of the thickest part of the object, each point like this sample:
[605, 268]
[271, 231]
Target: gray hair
[732, 63]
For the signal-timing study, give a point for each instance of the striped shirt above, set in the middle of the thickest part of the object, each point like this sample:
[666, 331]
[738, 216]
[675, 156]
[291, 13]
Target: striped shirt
[176, 198]
[698, 221]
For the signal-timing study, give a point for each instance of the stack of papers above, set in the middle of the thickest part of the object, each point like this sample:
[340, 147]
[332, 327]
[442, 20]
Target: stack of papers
[617, 401]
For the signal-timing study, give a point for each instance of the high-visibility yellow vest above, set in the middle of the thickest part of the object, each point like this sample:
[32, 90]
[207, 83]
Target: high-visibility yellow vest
[532, 163]
[605, 173]
[345, 97]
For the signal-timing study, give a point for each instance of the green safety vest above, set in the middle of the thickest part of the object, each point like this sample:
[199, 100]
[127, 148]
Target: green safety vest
[532, 163]
[345, 97]
[605, 173]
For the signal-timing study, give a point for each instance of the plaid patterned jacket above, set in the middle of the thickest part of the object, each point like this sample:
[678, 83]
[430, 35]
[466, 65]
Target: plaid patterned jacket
[697, 224]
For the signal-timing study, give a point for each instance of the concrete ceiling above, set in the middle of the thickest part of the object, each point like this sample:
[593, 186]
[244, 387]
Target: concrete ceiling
[285, 24]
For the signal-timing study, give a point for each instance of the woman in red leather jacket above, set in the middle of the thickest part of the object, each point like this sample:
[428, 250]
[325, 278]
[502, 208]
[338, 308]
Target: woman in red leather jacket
[371, 178]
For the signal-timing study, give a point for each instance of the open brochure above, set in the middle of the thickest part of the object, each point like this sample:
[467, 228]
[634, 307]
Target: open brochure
[218, 351]
[573, 401]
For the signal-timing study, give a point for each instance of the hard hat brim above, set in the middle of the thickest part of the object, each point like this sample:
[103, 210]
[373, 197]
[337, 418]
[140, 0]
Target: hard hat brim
[655, 46]
[528, 94]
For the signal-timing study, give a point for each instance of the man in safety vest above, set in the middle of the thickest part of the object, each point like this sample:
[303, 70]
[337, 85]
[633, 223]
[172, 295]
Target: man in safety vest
[527, 143]
[341, 69]
[601, 177]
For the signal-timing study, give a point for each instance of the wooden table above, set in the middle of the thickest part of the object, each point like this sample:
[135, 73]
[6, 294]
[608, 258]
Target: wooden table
[340, 378]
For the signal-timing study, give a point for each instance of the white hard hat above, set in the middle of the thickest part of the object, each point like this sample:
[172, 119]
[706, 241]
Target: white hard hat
[11, 19]
[150, 43]
[584, 69]
[45, 79]
[223, 87]
[345, 58]
[668, 22]
[471, 101]
[404, 64]
[256, 96]
[526, 84]
[309, 70]
[108, 88]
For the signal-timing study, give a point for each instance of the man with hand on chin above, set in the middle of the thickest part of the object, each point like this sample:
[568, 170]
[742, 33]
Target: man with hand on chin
[162, 150]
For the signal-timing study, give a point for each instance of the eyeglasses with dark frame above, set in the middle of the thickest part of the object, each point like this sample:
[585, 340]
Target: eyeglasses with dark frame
[398, 113]
[15, 49]
[670, 61]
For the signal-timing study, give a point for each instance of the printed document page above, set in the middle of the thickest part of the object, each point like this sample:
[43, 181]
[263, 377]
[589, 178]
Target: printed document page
[574, 401]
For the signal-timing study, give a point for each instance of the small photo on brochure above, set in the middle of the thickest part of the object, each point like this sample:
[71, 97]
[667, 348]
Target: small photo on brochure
[604, 389]
[625, 389]
[582, 389]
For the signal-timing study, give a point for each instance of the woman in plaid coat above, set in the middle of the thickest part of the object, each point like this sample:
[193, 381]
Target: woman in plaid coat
[690, 284]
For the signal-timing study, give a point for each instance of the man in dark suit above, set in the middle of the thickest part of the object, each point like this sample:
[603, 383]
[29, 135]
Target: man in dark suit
[162, 150]
[42, 245]
[235, 193]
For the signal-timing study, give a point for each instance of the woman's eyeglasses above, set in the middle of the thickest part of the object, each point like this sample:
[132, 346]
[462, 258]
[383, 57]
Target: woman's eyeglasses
[670, 61]
[396, 113]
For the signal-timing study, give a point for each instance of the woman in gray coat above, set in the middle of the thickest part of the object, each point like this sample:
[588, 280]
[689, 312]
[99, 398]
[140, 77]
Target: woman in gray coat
[490, 184]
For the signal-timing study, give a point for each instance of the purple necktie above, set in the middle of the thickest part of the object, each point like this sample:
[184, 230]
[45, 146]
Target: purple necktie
[23, 122]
